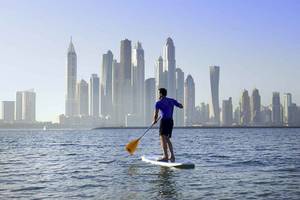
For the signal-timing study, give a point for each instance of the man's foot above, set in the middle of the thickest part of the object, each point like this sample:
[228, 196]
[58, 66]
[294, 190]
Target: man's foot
[172, 159]
[163, 159]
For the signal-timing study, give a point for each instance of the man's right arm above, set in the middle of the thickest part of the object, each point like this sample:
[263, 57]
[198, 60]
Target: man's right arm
[155, 116]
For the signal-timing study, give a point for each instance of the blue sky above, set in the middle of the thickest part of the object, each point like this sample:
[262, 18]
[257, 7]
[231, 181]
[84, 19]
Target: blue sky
[255, 42]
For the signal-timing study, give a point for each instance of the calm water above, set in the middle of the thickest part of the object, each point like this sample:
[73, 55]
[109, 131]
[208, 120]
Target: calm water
[230, 164]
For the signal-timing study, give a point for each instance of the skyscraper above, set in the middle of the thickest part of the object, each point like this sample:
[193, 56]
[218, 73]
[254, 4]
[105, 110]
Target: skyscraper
[126, 76]
[287, 101]
[118, 114]
[189, 100]
[160, 77]
[28, 106]
[170, 66]
[83, 98]
[255, 107]
[149, 100]
[214, 85]
[94, 95]
[138, 82]
[179, 113]
[276, 109]
[71, 78]
[8, 111]
[227, 112]
[245, 108]
[106, 84]
[18, 108]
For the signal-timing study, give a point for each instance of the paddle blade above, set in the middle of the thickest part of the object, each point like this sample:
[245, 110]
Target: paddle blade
[131, 146]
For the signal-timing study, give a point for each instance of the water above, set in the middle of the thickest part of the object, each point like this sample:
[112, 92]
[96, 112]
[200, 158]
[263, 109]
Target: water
[230, 164]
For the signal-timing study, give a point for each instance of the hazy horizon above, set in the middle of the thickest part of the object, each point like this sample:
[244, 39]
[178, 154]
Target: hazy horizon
[255, 43]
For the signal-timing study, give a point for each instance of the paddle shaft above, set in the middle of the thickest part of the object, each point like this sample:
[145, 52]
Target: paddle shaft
[148, 129]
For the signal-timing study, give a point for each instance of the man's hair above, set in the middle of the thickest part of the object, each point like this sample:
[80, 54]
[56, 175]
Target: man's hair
[162, 91]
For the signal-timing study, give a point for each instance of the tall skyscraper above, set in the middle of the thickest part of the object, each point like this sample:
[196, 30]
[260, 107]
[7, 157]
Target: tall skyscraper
[227, 112]
[189, 100]
[245, 108]
[8, 111]
[170, 67]
[255, 107]
[71, 78]
[160, 77]
[83, 98]
[214, 85]
[149, 100]
[106, 84]
[28, 106]
[126, 75]
[118, 114]
[276, 109]
[287, 101]
[179, 113]
[94, 95]
[138, 82]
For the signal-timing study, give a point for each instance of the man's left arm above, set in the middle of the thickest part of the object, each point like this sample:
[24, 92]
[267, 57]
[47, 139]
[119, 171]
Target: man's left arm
[179, 105]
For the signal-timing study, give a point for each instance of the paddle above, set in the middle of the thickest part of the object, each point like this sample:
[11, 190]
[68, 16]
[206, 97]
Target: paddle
[132, 145]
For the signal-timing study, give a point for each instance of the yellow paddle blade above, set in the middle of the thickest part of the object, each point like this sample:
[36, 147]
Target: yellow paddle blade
[132, 145]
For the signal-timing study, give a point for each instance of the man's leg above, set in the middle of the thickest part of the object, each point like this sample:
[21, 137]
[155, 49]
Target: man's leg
[164, 145]
[171, 149]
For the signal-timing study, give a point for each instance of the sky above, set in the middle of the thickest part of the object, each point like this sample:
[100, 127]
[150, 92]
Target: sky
[256, 43]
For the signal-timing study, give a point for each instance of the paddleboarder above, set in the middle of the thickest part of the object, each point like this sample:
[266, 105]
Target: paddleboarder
[166, 106]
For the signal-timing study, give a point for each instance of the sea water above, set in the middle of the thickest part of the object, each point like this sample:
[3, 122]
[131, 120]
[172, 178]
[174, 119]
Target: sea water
[93, 164]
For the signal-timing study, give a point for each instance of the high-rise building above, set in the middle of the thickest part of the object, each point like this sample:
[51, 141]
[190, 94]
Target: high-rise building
[28, 106]
[138, 82]
[179, 113]
[94, 95]
[83, 98]
[293, 115]
[227, 118]
[160, 78]
[106, 84]
[189, 101]
[287, 101]
[245, 108]
[170, 67]
[214, 85]
[276, 109]
[18, 108]
[118, 114]
[266, 115]
[8, 111]
[237, 116]
[126, 76]
[149, 100]
[255, 107]
[204, 113]
[71, 77]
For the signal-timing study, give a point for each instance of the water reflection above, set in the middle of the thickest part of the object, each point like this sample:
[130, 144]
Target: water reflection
[167, 188]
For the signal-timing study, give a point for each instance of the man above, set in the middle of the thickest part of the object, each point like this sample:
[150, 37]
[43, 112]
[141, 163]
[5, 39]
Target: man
[165, 105]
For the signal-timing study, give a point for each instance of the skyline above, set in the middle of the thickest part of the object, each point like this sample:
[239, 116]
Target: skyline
[49, 50]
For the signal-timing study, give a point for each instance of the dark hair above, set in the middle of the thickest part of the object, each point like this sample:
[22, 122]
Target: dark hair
[162, 91]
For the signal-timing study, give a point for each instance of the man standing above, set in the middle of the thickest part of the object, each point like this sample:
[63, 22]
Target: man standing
[165, 105]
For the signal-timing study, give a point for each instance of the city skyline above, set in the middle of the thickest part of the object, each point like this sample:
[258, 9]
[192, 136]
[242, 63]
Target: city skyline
[241, 66]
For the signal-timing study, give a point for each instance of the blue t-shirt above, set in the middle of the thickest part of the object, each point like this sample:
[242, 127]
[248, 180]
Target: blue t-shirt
[166, 106]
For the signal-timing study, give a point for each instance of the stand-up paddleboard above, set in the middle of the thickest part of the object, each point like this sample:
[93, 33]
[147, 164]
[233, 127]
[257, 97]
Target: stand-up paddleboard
[181, 165]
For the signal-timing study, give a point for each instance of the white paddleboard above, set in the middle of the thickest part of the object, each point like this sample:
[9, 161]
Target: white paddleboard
[181, 165]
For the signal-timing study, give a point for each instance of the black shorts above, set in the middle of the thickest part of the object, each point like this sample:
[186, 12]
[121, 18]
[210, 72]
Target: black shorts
[166, 127]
